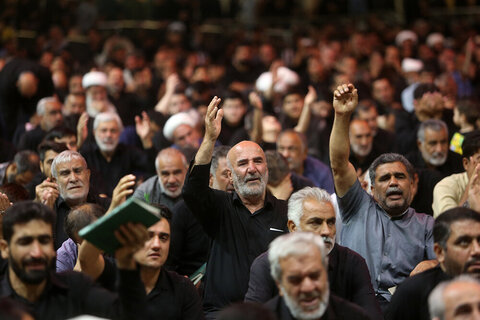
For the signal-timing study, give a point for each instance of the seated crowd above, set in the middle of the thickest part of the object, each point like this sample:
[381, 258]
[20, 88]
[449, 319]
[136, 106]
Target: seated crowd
[343, 184]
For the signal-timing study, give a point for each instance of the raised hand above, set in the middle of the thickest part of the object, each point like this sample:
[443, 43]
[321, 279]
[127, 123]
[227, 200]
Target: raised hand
[132, 237]
[144, 130]
[345, 99]
[4, 202]
[213, 120]
[122, 190]
[474, 190]
[47, 192]
[82, 129]
[311, 96]
[255, 100]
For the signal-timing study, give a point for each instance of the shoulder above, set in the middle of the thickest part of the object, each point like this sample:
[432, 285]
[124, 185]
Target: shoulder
[344, 309]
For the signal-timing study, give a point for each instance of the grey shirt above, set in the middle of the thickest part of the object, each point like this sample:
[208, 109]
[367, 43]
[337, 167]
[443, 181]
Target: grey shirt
[392, 247]
[151, 192]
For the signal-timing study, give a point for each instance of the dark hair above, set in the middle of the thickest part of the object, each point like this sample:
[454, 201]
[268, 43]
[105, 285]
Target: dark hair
[441, 227]
[164, 211]
[23, 212]
[26, 160]
[81, 216]
[301, 91]
[424, 88]
[232, 94]
[59, 133]
[470, 108]
[246, 311]
[14, 192]
[11, 309]
[50, 145]
[389, 158]
[471, 144]
[277, 167]
[218, 153]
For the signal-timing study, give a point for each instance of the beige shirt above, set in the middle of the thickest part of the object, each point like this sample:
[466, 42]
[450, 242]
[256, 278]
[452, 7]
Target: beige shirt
[448, 193]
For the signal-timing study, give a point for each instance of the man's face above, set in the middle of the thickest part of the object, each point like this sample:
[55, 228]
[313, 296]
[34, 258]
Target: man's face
[75, 104]
[370, 116]
[470, 163]
[393, 188]
[115, 80]
[304, 285]
[250, 172]
[155, 251]
[318, 217]
[107, 135]
[293, 105]
[222, 179]
[53, 116]
[70, 142]
[75, 84]
[186, 136]
[178, 103]
[73, 180]
[291, 147]
[462, 301]
[429, 106]
[361, 138]
[30, 251]
[97, 93]
[383, 92]
[462, 252]
[171, 174]
[46, 164]
[233, 111]
[435, 147]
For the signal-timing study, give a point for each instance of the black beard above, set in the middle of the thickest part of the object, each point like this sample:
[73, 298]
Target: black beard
[32, 277]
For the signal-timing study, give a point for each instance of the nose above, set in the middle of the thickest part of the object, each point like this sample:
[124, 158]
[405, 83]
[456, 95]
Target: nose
[36, 250]
[251, 167]
[307, 285]
[156, 242]
[475, 248]
[324, 230]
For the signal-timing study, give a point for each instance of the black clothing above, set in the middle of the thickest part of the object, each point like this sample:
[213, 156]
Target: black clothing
[70, 294]
[410, 300]
[31, 139]
[299, 182]
[189, 244]
[451, 166]
[231, 135]
[384, 141]
[238, 235]
[337, 309]
[125, 160]
[37, 179]
[348, 277]
[127, 107]
[365, 163]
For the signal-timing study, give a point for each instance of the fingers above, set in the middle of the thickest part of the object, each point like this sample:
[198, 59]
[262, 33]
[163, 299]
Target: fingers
[132, 235]
[213, 107]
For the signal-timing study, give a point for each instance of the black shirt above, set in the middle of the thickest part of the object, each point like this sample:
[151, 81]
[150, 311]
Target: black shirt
[70, 294]
[238, 235]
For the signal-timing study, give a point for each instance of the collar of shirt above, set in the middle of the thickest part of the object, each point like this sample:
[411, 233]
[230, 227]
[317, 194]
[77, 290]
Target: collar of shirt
[268, 203]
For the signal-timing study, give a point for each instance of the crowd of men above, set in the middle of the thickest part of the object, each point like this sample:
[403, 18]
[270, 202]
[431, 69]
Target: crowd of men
[338, 179]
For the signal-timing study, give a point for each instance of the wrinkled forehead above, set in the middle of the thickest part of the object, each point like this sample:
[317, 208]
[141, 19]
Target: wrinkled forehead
[245, 150]
[390, 168]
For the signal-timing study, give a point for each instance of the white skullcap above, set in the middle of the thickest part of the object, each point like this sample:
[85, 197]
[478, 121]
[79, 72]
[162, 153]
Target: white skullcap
[435, 38]
[411, 65]
[175, 121]
[405, 35]
[286, 79]
[94, 78]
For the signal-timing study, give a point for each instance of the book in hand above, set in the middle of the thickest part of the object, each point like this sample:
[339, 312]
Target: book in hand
[101, 232]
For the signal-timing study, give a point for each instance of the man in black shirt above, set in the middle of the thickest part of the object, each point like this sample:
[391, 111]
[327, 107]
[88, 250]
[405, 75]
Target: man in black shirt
[28, 244]
[242, 223]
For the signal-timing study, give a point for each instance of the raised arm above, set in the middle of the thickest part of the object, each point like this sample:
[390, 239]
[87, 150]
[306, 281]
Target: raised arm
[305, 116]
[345, 100]
[213, 126]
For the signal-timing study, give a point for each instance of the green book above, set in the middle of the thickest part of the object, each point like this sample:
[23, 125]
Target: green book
[101, 232]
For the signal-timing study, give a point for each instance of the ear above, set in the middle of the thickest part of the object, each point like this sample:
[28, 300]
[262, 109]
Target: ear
[88, 174]
[291, 226]
[210, 180]
[439, 252]
[419, 143]
[465, 163]
[4, 248]
[280, 291]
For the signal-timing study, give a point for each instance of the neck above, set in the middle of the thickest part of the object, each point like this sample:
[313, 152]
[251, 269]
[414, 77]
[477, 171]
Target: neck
[253, 203]
[149, 277]
[75, 202]
[30, 292]
[107, 155]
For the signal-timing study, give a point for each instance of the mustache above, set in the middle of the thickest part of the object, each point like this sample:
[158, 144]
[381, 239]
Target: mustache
[471, 262]
[394, 191]
[35, 261]
[328, 240]
[172, 184]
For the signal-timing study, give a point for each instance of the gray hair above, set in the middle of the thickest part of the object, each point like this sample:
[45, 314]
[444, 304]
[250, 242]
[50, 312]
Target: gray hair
[218, 153]
[389, 158]
[106, 117]
[436, 304]
[65, 156]
[294, 244]
[42, 103]
[295, 203]
[170, 152]
[432, 124]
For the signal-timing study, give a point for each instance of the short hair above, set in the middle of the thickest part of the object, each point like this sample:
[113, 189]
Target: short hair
[298, 90]
[436, 304]
[232, 94]
[218, 153]
[26, 161]
[50, 145]
[277, 167]
[293, 244]
[471, 144]
[389, 158]
[105, 117]
[441, 227]
[15, 192]
[170, 152]
[42, 103]
[66, 156]
[432, 124]
[81, 216]
[364, 106]
[424, 88]
[301, 136]
[470, 108]
[23, 212]
[59, 133]
[246, 311]
[295, 203]
[165, 212]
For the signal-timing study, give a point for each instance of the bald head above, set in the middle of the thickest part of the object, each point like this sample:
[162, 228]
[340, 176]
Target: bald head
[27, 84]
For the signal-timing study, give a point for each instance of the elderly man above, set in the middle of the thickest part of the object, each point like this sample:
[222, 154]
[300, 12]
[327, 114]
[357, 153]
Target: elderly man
[299, 263]
[166, 186]
[111, 160]
[293, 147]
[181, 130]
[50, 112]
[312, 210]
[455, 299]
[456, 235]
[95, 83]
[241, 223]
[28, 229]
[361, 145]
[374, 227]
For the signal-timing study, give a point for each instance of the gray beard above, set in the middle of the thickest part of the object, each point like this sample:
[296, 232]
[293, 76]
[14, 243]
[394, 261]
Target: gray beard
[297, 311]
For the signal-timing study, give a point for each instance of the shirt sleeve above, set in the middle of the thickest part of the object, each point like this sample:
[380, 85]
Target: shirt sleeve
[352, 202]
[261, 287]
